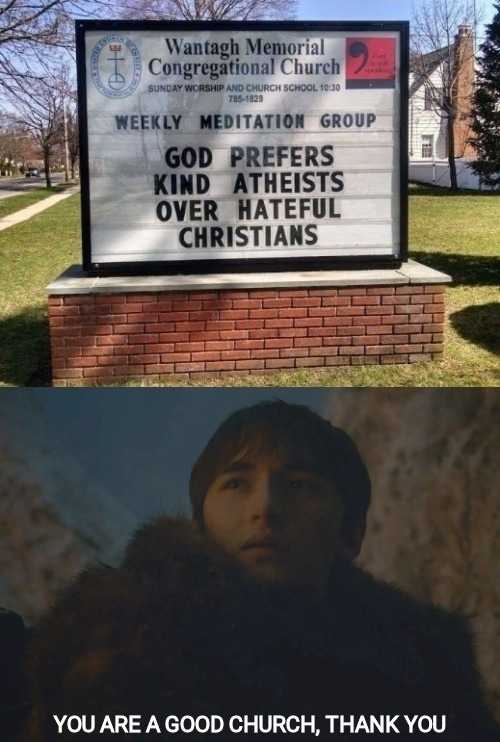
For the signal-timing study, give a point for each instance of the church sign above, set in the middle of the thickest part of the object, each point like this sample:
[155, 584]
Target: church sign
[242, 146]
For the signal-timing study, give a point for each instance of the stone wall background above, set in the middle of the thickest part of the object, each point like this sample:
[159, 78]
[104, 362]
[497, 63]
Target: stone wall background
[52, 525]
[38, 554]
[434, 525]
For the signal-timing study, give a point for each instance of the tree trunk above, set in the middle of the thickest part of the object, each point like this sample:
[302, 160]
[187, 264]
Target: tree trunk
[451, 152]
[46, 164]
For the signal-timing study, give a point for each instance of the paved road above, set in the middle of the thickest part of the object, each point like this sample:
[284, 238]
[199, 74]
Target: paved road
[21, 185]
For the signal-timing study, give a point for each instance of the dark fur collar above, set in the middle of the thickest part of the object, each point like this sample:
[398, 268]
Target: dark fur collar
[363, 620]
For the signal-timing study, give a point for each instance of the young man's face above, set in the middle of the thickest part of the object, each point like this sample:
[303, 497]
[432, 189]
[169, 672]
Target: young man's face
[281, 521]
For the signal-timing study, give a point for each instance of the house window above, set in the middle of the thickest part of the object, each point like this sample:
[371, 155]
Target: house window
[433, 98]
[427, 146]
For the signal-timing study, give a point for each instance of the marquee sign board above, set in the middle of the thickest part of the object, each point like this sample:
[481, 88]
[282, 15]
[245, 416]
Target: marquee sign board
[226, 146]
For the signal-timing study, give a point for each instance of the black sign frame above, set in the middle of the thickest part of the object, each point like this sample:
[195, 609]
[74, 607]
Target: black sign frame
[228, 265]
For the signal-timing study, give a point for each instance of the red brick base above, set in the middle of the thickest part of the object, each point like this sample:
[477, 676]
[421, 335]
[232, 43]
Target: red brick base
[114, 336]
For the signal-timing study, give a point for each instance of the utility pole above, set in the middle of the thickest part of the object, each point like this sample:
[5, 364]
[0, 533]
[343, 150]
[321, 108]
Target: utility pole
[66, 149]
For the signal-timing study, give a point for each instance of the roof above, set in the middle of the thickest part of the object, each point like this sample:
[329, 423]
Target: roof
[423, 65]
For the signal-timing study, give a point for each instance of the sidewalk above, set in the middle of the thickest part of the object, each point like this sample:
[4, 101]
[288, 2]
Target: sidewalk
[11, 193]
[23, 214]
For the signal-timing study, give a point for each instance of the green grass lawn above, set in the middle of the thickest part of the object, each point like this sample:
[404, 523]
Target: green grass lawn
[15, 203]
[32, 254]
[457, 234]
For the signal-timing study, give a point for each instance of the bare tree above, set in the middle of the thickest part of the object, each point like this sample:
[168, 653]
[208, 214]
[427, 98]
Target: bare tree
[442, 57]
[39, 105]
[196, 10]
[28, 31]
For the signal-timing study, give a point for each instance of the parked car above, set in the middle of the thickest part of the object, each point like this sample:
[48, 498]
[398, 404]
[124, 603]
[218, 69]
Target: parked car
[32, 172]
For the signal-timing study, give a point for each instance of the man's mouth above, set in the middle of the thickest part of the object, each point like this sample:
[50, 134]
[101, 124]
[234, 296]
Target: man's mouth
[262, 543]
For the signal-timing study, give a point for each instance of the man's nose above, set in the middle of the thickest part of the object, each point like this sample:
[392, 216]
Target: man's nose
[266, 499]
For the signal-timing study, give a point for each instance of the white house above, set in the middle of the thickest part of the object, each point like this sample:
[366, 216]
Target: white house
[428, 136]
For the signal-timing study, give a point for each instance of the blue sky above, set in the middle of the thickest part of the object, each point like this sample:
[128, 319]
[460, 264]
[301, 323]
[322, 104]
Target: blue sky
[375, 10]
[353, 10]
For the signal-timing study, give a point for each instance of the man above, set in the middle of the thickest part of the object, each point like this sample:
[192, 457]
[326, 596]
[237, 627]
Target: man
[255, 608]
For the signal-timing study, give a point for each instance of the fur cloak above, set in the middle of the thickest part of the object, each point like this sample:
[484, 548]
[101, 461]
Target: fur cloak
[180, 629]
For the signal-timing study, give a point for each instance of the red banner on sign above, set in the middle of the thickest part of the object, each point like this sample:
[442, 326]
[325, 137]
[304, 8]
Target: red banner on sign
[370, 62]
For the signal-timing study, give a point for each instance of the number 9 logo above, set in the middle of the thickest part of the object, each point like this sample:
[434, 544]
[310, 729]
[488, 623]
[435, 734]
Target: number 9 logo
[359, 49]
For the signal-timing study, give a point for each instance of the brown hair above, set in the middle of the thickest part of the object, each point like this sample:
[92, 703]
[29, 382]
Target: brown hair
[299, 435]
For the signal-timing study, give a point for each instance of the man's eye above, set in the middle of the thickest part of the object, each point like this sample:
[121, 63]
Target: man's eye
[233, 484]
